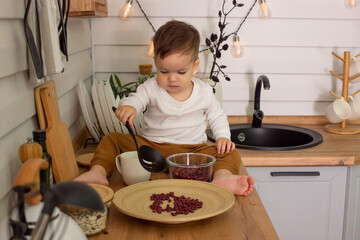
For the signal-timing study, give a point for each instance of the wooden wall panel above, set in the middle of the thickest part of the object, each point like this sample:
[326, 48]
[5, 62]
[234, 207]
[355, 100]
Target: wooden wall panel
[289, 108]
[293, 49]
[288, 94]
[319, 9]
[283, 87]
[79, 34]
[69, 107]
[9, 162]
[18, 106]
[78, 67]
[12, 9]
[254, 32]
[289, 60]
[22, 97]
[12, 47]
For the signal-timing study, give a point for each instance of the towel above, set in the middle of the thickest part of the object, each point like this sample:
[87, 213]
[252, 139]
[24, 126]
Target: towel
[41, 24]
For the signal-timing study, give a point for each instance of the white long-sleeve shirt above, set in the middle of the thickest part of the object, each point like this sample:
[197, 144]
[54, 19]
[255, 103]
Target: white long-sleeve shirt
[179, 122]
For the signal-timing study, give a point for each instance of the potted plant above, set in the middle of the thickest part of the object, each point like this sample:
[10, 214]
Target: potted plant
[123, 90]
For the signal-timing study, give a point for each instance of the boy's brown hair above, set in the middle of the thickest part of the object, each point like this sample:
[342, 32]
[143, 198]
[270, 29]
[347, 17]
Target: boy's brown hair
[176, 37]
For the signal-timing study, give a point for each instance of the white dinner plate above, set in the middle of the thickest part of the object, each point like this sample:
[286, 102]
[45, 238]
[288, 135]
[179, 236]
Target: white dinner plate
[104, 107]
[91, 111]
[98, 109]
[111, 102]
[88, 111]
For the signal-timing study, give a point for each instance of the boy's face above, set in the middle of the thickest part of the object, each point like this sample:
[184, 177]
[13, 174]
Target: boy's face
[174, 74]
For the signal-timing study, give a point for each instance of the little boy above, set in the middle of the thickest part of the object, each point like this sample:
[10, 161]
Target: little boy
[177, 109]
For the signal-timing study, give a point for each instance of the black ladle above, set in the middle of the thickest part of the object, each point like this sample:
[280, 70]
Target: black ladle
[149, 157]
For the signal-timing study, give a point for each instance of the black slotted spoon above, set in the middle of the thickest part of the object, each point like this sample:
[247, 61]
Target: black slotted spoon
[150, 158]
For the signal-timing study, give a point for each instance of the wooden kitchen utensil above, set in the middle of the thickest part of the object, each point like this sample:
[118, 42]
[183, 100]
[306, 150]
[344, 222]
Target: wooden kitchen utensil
[28, 175]
[39, 107]
[150, 158]
[343, 127]
[58, 140]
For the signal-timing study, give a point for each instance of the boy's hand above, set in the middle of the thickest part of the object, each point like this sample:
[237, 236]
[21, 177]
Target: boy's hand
[126, 113]
[224, 145]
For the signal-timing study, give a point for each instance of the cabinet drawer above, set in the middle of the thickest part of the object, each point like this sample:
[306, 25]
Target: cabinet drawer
[294, 174]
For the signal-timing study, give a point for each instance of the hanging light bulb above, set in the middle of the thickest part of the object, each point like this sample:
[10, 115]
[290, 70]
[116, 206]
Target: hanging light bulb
[351, 3]
[149, 52]
[264, 11]
[127, 9]
[236, 49]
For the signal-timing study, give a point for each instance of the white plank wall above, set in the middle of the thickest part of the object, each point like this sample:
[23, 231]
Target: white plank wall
[293, 49]
[17, 105]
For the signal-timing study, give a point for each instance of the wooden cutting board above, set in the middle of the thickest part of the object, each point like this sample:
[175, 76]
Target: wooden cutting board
[58, 140]
[39, 107]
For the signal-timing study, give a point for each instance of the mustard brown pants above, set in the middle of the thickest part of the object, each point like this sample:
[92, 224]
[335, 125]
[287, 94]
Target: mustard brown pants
[115, 143]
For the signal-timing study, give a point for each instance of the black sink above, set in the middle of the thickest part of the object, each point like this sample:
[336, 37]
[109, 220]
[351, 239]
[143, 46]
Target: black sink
[272, 137]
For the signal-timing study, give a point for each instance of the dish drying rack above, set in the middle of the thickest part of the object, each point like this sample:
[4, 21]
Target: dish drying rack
[343, 127]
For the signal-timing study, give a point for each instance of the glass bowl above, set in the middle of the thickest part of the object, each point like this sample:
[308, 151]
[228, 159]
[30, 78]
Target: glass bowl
[191, 166]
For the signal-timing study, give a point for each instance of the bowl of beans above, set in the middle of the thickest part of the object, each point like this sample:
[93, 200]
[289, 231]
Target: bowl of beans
[191, 166]
[92, 221]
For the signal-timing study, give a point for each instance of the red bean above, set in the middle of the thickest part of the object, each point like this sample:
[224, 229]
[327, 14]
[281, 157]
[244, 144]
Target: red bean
[200, 174]
[182, 204]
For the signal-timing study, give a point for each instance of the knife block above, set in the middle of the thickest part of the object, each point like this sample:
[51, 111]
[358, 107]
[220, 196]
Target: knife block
[343, 127]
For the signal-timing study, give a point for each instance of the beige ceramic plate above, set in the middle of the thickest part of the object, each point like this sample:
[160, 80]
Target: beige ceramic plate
[134, 200]
[105, 192]
[85, 159]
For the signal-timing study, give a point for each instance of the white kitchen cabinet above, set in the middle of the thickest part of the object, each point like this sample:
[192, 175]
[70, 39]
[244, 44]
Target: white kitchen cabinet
[352, 208]
[303, 202]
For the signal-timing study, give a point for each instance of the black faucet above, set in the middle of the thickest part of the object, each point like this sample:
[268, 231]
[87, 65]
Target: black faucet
[258, 115]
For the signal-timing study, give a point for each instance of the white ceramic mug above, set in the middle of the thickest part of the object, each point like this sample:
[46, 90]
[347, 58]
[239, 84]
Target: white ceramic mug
[338, 111]
[354, 103]
[130, 168]
[354, 68]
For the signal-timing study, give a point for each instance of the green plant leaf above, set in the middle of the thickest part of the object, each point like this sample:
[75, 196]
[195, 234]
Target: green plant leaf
[113, 87]
[128, 84]
[117, 80]
[123, 90]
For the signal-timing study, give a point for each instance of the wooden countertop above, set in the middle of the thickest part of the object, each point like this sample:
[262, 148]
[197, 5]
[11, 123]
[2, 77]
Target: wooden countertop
[336, 150]
[247, 219]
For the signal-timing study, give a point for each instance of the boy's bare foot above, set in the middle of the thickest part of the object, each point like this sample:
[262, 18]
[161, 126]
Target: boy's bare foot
[238, 185]
[97, 175]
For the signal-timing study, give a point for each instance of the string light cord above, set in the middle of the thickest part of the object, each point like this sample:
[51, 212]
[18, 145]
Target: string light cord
[147, 19]
[223, 5]
[242, 22]
[217, 43]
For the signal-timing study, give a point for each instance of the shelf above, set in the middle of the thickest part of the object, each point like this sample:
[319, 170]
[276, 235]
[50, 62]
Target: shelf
[95, 8]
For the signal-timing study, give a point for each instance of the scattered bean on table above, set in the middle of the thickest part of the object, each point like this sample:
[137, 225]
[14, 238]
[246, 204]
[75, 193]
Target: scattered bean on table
[180, 204]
